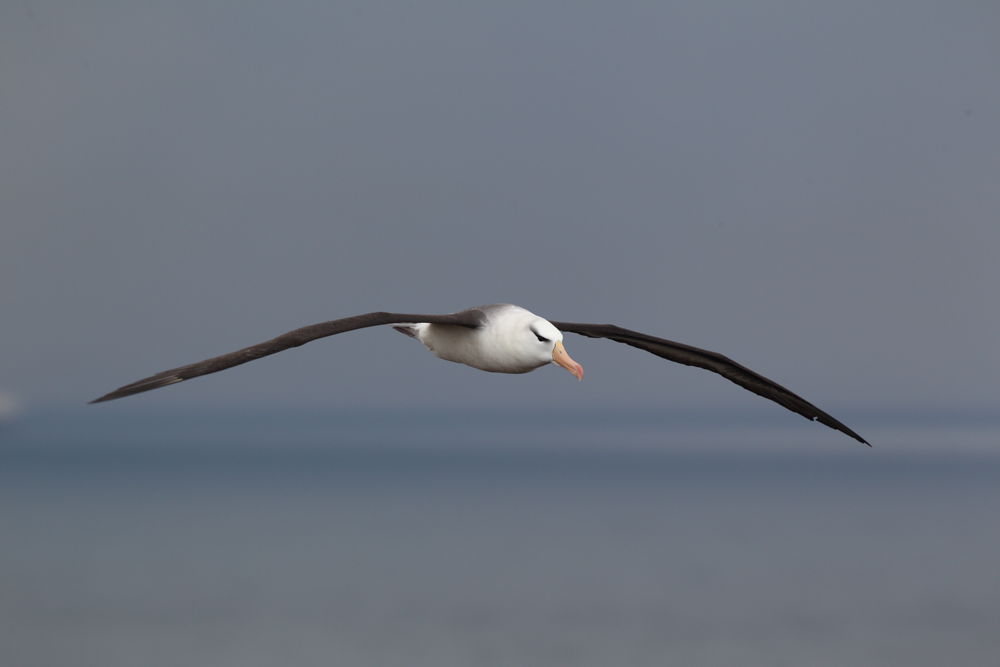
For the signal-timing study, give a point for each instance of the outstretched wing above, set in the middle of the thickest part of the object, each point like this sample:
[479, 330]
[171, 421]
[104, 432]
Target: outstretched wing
[471, 318]
[712, 361]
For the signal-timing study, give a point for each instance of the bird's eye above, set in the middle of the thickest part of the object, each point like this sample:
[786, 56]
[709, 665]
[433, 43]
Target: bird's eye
[541, 338]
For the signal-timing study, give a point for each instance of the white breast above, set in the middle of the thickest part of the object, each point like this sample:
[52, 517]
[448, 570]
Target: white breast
[496, 347]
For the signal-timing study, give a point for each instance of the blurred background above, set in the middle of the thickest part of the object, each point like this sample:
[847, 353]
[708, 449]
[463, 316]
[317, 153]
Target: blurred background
[809, 189]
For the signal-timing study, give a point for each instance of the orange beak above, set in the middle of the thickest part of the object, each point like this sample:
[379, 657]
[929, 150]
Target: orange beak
[560, 357]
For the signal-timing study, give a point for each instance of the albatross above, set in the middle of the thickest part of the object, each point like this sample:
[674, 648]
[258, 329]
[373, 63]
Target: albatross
[499, 338]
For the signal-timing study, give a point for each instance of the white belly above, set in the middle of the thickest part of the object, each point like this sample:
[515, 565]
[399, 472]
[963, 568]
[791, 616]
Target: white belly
[479, 348]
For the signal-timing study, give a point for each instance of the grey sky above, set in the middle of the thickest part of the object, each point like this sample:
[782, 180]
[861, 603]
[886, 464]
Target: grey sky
[812, 189]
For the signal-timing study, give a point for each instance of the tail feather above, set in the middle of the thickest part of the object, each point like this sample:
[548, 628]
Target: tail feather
[406, 330]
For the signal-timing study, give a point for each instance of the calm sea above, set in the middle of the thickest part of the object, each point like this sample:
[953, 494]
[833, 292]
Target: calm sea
[116, 551]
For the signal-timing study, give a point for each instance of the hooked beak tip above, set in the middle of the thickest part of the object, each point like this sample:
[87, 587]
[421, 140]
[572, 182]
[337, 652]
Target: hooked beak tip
[560, 357]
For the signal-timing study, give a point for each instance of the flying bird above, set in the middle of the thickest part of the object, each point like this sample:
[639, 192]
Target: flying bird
[499, 338]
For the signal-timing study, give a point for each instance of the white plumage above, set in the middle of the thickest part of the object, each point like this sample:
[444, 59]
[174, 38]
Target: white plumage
[513, 340]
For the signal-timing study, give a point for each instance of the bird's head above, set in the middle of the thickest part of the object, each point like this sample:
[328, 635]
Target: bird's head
[546, 341]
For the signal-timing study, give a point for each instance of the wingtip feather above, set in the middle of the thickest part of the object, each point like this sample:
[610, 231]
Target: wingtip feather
[137, 388]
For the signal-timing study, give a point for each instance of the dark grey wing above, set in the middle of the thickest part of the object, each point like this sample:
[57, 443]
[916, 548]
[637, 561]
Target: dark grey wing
[472, 318]
[712, 361]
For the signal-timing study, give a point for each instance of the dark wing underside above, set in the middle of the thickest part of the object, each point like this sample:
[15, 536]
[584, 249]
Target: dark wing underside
[712, 361]
[471, 318]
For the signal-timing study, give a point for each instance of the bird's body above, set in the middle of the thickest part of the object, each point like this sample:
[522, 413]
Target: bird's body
[499, 338]
[503, 344]
[479, 348]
